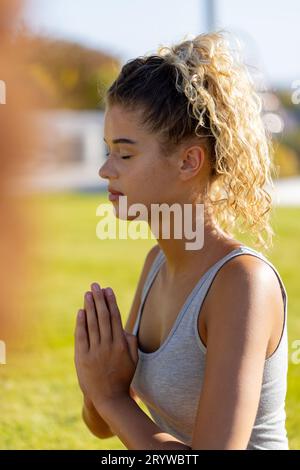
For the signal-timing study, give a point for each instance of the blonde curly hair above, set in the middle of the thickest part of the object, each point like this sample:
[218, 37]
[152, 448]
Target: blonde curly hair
[200, 87]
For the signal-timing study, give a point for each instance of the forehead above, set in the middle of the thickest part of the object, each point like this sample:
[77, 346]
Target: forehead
[121, 123]
[118, 117]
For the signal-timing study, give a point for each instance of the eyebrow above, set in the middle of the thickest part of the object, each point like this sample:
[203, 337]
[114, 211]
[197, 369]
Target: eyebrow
[122, 140]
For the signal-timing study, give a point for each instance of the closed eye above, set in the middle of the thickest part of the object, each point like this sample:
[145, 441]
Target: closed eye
[124, 157]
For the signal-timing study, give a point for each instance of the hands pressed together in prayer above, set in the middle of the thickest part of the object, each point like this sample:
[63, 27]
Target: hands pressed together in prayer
[106, 355]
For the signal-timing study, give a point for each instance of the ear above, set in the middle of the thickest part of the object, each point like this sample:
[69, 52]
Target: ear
[192, 161]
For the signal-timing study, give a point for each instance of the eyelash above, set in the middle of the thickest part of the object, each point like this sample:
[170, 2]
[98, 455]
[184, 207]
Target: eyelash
[125, 156]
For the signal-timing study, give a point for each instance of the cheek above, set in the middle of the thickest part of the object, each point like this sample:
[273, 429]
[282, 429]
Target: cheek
[149, 182]
[163, 179]
[158, 172]
[155, 183]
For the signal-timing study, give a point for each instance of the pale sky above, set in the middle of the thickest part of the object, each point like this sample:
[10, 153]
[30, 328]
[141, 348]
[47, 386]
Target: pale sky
[269, 29]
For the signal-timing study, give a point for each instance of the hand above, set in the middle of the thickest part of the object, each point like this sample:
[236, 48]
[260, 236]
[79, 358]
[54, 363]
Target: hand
[105, 355]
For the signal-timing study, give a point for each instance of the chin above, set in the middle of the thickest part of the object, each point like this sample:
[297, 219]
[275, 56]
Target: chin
[118, 208]
[126, 217]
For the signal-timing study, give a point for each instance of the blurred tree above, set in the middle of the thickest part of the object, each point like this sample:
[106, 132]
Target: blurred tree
[286, 159]
[66, 74]
[292, 140]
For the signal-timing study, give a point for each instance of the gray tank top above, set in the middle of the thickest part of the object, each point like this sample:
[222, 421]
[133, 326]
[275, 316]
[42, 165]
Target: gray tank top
[169, 379]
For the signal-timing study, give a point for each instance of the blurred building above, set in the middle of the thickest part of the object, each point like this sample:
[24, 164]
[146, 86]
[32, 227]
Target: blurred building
[71, 151]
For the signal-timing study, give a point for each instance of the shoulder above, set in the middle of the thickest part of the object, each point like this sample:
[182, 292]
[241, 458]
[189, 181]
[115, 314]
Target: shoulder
[152, 255]
[246, 295]
[246, 271]
[148, 262]
[250, 276]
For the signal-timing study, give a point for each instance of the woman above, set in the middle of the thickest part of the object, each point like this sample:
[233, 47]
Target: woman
[205, 345]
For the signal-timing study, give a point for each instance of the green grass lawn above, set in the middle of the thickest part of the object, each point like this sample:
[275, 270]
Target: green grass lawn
[40, 399]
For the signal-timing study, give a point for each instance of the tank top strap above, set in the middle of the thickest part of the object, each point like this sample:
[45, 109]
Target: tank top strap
[211, 273]
[158, 260]
[152, 273]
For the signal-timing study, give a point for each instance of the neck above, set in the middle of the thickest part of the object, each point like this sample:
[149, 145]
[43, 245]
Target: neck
[180, 260]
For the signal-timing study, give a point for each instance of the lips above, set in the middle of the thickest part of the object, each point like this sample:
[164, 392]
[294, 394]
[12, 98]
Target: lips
[112, 191]
[114, 195]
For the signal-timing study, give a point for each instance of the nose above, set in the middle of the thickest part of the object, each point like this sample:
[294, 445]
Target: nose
[106, 171]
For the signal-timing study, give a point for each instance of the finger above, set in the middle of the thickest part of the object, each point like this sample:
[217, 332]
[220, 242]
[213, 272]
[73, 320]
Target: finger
[81, 336]
[103, 314]
[92, 322]
[116, 320]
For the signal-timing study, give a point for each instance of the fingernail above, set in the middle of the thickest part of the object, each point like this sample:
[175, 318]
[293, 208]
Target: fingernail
[80, 314]
[88, 295]
[109, 291]
[96, 286]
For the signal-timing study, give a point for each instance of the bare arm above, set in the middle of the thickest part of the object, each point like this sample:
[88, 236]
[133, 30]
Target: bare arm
[95, 423]
[238, 332]
[135, 429]
[93, 420]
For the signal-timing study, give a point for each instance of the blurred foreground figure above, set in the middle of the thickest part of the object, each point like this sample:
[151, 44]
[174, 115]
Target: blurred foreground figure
[15, 152]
